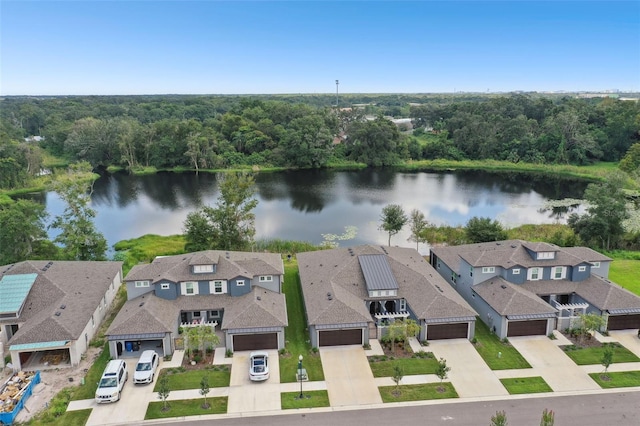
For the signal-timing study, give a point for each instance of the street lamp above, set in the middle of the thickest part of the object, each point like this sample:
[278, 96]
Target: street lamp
[300, 375]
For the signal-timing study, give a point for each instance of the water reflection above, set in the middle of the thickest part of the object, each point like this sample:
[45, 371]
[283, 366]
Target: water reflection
[302, 205]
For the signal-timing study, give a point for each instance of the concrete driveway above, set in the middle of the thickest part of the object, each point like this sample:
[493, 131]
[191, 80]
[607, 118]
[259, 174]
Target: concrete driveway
[348, 376]
[246, 396]
[627, 338]
[550, 362]
[469, 374]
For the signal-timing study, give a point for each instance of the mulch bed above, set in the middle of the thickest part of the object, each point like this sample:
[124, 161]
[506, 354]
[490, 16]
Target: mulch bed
[586, 342]
[206, 360]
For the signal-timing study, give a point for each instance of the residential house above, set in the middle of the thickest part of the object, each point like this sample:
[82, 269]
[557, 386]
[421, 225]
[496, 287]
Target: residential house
[524, 288]
[238, 293]
[50, 310]
[351, 294]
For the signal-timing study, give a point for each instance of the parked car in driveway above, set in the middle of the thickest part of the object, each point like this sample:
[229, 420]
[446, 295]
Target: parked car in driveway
[112, 381]
[146, 367]
[258, 366]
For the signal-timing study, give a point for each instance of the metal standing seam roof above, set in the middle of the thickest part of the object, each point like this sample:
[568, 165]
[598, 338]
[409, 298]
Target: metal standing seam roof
[37, 345]
[377, 272]
[14, 290]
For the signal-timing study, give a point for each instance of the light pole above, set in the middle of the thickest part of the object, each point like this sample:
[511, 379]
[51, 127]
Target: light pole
[300, 375]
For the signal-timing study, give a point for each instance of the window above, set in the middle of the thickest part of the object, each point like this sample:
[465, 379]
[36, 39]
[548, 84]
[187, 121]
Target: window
[473, 294]
[240, 283]
[140, 284]
[190, 288]
[403, 305]
[516, 271]
[165, 286]
[266, 278]
[93, 322]
[454, 278]
[488, 269]
[438, 264]
[201, 269]
[534, 274]
[196, 314]
[546, 255]
[217, 287]
[595, 265]
[471, 271]
[214, 314]
[582, 268]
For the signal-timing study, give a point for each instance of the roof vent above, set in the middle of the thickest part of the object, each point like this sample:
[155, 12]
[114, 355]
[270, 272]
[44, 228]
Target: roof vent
[58, 313]
[329, 294]
[226, 254]
[330, 298]
[141, 305]
[503, 286]
[258, 298]
[63, 306]
[513, 246]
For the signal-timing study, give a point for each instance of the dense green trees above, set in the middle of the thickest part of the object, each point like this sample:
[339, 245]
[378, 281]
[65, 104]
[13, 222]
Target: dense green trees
[483, 229]
[22, 234]
[392, 219]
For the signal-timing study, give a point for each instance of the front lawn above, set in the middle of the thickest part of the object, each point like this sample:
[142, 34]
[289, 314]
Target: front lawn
[417, 392]
[383, 366]
[296, 334]
[219, 376]
[522, 385]
[186, 407]
[497, 354]
[593, 354]
[622, 379]
[319, 398]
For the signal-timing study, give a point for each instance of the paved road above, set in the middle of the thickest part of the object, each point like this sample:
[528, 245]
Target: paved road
[616, 408]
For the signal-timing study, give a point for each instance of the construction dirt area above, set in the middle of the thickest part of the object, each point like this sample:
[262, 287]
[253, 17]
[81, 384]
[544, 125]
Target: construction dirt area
[53, 381]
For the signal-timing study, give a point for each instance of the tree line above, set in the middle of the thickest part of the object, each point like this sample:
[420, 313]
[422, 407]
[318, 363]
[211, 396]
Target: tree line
[217, 132]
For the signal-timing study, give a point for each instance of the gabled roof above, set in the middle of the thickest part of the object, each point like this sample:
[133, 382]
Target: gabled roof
[145, 314]
[230, 264]
[511, 299]
[62, 298]
[512, 253]
[335, 289]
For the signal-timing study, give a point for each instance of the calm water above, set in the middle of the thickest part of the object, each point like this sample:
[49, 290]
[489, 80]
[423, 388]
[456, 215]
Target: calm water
[303, 205]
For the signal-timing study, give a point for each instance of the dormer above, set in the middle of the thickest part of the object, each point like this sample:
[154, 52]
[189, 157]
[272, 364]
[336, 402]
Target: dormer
[378, 275]
[541, 251]
[202, 264]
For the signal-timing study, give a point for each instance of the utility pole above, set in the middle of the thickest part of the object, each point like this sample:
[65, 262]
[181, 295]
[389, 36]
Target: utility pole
[337, 82]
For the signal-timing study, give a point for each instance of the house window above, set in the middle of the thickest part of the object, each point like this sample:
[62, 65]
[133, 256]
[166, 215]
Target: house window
[266, 278]
[214, 314]
[140, 284]
[454, 277]
[165, 286]
[403, 305]
[516, 271]
[558, 273]
[488, 269]
[534, 274]
[546, 255]
[240, 283]
[438, 265]
[217, 287]
[190, 288]
[93, 322]
[196, 314]
[582, 268]
[595, 265]
[471, 271]
[201, 269]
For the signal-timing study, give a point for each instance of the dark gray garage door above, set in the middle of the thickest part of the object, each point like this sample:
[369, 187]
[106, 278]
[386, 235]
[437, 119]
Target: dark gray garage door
[251, 342]
[527, 328]
[624, 322]
[341, 337]
[447, 331]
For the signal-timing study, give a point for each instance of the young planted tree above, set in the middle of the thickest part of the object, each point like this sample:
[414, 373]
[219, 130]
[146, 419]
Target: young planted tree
[548, 418]
[393, 220]
[500, 419]
[163, 391]
[204, 391]
[589, 323]
[418, 225]
[607, 359]
[442, 372]
[398, 374]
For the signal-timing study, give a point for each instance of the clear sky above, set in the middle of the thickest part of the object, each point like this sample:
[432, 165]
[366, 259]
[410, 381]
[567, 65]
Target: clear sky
[218, 47]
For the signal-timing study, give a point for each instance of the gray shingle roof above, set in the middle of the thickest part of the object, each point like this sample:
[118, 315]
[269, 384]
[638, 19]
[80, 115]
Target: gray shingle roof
[335, 291]
[511, 299]
[79, 286]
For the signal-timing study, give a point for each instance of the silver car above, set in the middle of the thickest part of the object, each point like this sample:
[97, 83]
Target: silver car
[146, 367]
[258, 366]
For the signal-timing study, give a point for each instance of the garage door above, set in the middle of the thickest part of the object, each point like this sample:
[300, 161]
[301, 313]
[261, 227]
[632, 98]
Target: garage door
[251, 342]
[527, 328]
[624, 322]
[341, 337]
[447, 331]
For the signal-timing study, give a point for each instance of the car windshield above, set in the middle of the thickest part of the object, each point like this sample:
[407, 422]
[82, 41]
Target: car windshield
[108, 382]
[143, 366]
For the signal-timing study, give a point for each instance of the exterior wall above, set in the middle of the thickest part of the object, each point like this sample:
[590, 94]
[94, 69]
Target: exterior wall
[234, 290]
[313, 336]
[274, 285]
[133, 292]
[488, 315]
[602, 271]
[520, 278]
[479, 277]
[170, 294]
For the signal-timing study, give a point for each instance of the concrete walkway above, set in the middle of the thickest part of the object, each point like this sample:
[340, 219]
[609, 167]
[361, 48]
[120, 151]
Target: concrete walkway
[469, 374]
[550, 362]
[348, 376]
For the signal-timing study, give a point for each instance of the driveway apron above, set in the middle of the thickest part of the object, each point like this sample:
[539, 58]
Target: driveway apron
[550, 362]
[246, 396]
[469, 374]
[629, 339]
[348, 376]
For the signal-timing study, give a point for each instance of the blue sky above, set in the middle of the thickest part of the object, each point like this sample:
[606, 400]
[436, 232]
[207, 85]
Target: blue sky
[217, 47]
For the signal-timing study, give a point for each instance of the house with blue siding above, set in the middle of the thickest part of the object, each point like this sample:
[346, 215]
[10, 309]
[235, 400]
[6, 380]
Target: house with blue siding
[523, 288]
[352, 294]
[236, 293]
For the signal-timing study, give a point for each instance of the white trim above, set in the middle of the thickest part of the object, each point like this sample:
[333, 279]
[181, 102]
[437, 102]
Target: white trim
[582, 268]
[515, 271]
[595, 265]
[189, 284]
[562, 270]
[266, 278]
[240, 283]
[488, 269]
[202, 269]
[538, 272]
[165, 286]
[222, 285]
[141, 284]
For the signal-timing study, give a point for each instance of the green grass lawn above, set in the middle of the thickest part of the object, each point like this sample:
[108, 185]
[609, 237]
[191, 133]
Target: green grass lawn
[593, 355]
[623, 379]
[418, 392]
[410, 366]
[296, 335]
[522, 385]
[488, 346]
[289, 400]
[625, 272]
[186, 407]
[191, 379]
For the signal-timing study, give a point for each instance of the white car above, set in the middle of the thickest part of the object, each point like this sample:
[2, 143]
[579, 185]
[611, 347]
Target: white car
[112, 382]
[146, 367]
[258, 366]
